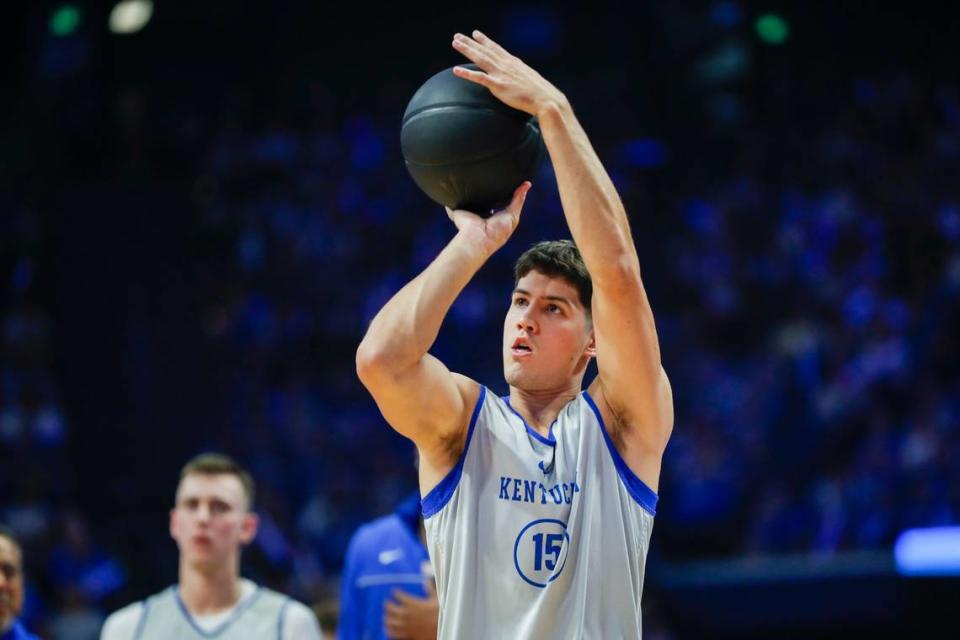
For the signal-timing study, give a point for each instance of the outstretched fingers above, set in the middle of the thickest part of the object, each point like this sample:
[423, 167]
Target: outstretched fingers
[472, 75]
[487, 41]
[474, 51]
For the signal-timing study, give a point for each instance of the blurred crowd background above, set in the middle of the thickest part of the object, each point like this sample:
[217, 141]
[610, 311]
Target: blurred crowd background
[198, 220]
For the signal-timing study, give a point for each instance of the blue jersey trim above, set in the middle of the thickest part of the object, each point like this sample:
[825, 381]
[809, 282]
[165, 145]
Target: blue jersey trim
[638, 490]
[440, 494]
[239, 611]
[550, 441]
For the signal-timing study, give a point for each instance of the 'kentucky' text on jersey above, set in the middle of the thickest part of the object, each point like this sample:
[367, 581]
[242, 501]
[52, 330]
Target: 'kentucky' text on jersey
[556, 529]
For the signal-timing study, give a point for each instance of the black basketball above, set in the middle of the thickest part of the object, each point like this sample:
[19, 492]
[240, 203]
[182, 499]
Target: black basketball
[464, 148]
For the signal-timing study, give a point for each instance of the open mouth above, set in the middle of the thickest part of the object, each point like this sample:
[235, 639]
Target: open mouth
[520, 347]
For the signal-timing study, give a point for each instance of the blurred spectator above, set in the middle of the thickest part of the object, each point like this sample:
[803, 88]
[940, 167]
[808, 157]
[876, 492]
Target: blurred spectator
[85, 571]
[76, 619]
[211, 521]
[387, 588]
[11, 589]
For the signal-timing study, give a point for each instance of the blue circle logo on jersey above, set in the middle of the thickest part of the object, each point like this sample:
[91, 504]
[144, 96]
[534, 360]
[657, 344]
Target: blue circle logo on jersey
[540, 552]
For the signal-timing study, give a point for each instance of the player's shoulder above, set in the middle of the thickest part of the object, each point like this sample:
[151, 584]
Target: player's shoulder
[294, 609]
[299, 621]
[122, 623]
[132, 610]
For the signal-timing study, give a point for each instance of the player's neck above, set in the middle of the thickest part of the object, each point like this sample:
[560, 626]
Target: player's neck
[541, 408]
[206, 590]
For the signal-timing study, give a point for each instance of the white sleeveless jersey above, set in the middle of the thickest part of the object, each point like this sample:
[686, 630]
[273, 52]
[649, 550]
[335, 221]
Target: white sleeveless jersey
[534, 537]
[164, 617]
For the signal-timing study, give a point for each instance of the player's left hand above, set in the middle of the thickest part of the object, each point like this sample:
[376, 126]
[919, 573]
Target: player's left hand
[506, 76]
[493, 232]
[407, 617]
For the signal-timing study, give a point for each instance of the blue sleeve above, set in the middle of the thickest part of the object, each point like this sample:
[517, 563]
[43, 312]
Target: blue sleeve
[350, 623]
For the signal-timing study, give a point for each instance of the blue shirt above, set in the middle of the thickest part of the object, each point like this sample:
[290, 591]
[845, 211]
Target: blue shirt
[17, 632]
[383, 555]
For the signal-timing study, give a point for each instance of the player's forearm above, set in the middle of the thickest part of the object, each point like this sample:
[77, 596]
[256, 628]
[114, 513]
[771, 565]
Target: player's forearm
[593, 209]
[407, 326]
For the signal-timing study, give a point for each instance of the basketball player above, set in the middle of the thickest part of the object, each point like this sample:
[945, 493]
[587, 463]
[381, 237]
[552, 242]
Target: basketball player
[11, 589]
[538, 506]
[387, 587]
[211, 522]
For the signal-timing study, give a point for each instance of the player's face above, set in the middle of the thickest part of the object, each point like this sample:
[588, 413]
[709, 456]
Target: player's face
[210, 520]
[547, 334]
[11, 582]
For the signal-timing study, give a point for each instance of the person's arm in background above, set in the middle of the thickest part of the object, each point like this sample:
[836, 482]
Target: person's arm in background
[411, 618]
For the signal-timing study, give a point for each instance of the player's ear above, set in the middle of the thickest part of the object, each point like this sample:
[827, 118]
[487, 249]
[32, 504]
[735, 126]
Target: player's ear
[173, 523]
[249, 528]
[591, 349]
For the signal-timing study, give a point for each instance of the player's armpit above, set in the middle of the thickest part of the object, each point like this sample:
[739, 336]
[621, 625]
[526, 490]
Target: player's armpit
[631, 381]
[640, 448]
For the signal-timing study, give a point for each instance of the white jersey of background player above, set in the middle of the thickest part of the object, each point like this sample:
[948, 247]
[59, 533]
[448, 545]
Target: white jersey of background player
[539, 506]
[211, 521]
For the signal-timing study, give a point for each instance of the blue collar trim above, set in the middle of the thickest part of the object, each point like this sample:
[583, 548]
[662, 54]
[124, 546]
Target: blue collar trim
[551, 440]
[239, 611]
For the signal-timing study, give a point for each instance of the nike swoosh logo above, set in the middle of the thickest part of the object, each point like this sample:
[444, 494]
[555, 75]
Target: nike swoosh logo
[390, 555]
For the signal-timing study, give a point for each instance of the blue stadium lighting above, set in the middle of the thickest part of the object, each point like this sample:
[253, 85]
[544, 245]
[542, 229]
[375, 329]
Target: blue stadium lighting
[726, 14]
[645, 153]
[532, 30]
[933, 551]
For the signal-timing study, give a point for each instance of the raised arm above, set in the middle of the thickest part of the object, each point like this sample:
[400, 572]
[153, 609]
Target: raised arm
[417, 394]
[631, 389]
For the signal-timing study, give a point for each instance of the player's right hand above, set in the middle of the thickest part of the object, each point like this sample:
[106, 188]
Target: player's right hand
[493, 232]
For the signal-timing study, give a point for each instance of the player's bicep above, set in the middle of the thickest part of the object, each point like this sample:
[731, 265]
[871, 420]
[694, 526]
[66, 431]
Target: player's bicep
[424, 402]
[630, 373]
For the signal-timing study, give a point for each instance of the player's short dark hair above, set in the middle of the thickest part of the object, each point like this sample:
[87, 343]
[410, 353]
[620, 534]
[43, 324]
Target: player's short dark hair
[210, 464]
[557, 258]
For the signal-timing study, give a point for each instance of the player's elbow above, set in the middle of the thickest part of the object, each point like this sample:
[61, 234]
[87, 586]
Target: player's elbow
[378, 360]
[371, 362]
